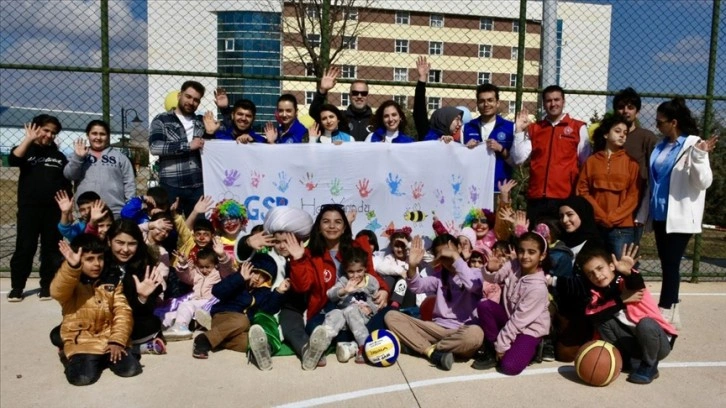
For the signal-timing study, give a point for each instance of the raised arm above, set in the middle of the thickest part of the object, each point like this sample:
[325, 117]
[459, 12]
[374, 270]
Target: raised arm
[420, 107]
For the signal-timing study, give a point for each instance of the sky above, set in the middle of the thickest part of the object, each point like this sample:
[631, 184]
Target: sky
[656, 46]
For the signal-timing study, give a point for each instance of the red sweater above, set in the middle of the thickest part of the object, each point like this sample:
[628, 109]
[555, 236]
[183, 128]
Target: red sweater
[554, 159]
[314, 275]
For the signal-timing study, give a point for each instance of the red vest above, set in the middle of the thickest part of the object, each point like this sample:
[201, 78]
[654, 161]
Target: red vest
[554, 162]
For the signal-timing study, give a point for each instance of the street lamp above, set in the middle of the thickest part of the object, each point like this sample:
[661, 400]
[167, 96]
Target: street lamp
[124, 118]
[125, 149]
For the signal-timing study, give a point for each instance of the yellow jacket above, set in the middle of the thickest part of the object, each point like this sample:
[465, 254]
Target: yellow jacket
[94, 314]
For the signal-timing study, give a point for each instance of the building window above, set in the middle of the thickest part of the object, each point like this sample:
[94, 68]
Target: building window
[314, 40]
[401, 46]
[309, 95]
[309, 69]
[352, 14]
[437, 20]
[436, 48]
[515, 26]
[403, 17]
[350, 42]
[512, 106]
[512, 79]
[514, 53]
[486, 23]
[485, 51]
[311, 11]
[348, 71]
[434, 102]
[400, 74]
[435, 75]
[401, 100]
[344, 99]
[484, 78]
[229, 45]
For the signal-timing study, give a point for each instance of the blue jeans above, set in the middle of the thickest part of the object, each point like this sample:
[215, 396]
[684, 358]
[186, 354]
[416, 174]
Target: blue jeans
[615, 238]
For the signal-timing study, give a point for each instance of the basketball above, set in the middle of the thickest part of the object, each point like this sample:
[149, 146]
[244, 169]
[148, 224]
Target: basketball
[598, 363]
[382, 348]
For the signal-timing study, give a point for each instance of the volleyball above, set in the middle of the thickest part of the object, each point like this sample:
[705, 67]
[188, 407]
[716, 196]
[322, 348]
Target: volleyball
[382, 348]
[598, 363]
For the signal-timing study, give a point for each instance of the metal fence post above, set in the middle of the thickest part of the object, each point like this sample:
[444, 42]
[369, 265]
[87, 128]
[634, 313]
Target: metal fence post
[707, 119]
[105, 65]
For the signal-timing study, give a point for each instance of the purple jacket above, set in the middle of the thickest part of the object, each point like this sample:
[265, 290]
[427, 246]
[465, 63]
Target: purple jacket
[525, 300]
[466, 292]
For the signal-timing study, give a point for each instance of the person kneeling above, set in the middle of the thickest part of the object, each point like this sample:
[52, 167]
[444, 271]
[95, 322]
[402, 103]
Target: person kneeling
[97, 319]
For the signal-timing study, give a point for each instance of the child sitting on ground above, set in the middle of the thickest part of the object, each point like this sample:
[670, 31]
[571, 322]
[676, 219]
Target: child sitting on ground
[240, 296]
[514, 329]
[211, 266]
[624, 312]
[393, 267]
[68, 227]
[353, 296]
[458, 289]
[97, 319]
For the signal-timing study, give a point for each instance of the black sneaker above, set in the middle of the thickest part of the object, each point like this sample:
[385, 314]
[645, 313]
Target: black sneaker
[485, 358]
[15, 295]
[645, 374]
[548, 350]
[44, 294]
[202, 347]
[442, 360]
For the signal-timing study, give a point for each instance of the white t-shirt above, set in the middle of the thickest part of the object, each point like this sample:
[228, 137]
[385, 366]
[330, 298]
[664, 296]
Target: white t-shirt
[486, 130]
[188, 123]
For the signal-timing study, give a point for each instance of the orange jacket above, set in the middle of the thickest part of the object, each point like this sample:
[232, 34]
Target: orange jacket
[314, 275]
[612, 186]
[554, 159]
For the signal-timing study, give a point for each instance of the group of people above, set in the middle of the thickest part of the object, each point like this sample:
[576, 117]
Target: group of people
[505, 287]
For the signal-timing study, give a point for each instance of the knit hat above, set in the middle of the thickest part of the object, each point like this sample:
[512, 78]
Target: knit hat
[265, 264]
[289, 219]
[469, 233]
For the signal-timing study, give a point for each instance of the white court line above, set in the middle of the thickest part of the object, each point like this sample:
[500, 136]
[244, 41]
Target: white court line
[463, 378]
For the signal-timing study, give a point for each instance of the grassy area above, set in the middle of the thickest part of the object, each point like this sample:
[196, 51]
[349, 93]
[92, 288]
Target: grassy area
[8, 200]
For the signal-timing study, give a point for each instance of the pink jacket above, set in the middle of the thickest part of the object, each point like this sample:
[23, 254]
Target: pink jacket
[525, 301]
[647, 307]
[190, 275]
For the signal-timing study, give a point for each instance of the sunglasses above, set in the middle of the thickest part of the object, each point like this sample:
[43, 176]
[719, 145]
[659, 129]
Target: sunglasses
[479, 221]
[358, 93]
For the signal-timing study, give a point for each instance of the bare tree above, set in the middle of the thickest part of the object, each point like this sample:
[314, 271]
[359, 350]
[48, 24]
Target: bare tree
[322, 30]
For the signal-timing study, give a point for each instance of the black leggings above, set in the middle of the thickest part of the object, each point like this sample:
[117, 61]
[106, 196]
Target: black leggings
[85, 369]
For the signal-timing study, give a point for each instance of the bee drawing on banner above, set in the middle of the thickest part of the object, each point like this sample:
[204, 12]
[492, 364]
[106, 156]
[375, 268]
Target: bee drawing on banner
[415, 216]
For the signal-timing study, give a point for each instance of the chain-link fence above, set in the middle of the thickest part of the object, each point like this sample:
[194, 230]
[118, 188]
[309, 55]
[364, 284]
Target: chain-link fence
[122, 61]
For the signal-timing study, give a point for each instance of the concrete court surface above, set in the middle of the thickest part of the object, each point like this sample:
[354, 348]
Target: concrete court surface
[31, 375]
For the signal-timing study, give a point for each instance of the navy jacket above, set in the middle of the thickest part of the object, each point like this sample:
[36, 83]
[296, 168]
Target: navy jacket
[503, 133]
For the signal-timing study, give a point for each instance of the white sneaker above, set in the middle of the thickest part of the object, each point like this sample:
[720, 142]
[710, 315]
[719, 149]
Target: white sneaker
[260, 348]
[314, 350]
[203, 318]
[177, 333]
[676, 320]
[345, 351]
[672, 315]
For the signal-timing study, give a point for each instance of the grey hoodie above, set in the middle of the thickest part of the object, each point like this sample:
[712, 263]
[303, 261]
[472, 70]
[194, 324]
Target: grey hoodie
[111, 176]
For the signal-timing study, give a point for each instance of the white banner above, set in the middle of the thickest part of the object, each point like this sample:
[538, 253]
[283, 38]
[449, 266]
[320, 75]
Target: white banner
[389, 184]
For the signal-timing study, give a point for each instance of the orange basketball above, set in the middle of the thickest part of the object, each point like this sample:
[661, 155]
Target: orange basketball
[598, 363]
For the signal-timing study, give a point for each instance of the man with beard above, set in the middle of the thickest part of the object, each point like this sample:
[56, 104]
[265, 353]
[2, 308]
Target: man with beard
[237, 124]
[639, 144]
[177, 137]
[358, 113]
